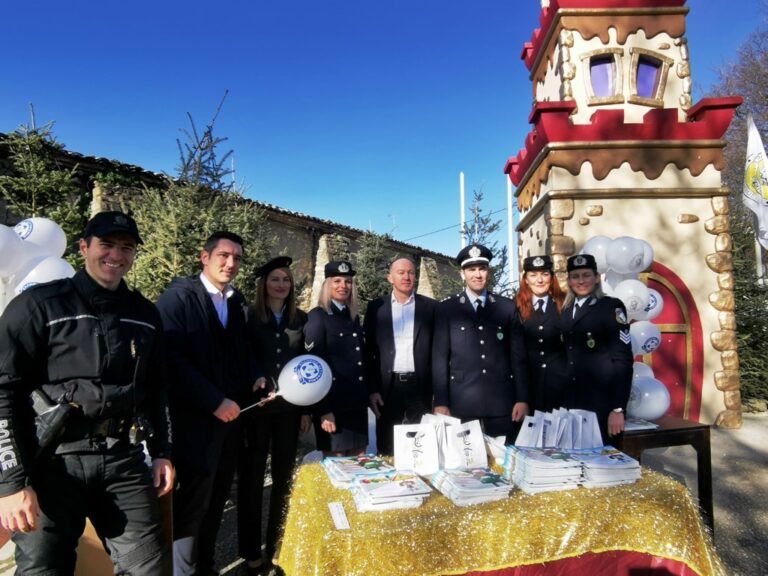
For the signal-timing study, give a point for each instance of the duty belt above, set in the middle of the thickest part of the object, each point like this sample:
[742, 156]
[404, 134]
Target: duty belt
[81, 428]
[403, 376]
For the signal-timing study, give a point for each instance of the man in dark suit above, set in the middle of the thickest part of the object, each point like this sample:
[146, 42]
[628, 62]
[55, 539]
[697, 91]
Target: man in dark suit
[478, 352]
[398, 332]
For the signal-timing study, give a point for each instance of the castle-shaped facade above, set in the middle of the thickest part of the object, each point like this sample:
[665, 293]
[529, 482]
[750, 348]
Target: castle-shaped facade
[618, 148]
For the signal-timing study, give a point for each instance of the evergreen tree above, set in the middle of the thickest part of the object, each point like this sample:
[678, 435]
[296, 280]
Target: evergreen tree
[175, 221]
[372, 266]
[35, 184]
[483, 229]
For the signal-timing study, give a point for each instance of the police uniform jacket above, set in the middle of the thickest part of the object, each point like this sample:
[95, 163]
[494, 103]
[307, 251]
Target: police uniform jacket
[82, 343]
[599, 356]
[206, 364]
[546, 358]
[478, 358]
[380, 345]
[338, 339]
[274, 344]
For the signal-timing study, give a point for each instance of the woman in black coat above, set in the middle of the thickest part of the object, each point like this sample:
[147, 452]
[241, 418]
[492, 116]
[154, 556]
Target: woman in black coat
[334, 333]
[596, 334]
[539, 301]
[276, 328]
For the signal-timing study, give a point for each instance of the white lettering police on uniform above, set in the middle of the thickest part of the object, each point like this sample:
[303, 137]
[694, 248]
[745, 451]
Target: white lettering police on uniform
[7, 455]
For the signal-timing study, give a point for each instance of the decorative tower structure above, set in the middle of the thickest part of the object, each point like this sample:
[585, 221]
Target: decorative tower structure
[617, 148]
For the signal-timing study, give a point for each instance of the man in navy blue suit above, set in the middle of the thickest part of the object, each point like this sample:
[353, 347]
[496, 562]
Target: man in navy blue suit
[398, 332]
[478, 352]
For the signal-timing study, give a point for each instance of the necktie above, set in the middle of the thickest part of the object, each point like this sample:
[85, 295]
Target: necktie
[478, 305]
[576, 311]
[540, 307]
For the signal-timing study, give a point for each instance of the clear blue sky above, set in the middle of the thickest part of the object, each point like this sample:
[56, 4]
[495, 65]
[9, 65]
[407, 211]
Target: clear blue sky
[359, 111]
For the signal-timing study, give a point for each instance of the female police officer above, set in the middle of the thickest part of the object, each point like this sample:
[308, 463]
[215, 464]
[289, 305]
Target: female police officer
[596, 335]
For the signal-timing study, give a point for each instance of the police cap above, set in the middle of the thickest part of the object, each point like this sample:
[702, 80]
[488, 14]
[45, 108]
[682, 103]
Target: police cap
[536, 263]
[279, 262]
[581, 261]
[339, 268]
[473, 254]
[106, 223]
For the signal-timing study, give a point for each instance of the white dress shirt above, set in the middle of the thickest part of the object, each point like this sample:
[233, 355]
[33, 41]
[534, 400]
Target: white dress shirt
[218, 297]
[402, 328]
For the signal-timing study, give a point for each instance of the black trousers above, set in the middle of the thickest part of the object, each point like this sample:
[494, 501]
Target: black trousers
[403, 404]
[278, 433]
[114, 490]
[198, 507]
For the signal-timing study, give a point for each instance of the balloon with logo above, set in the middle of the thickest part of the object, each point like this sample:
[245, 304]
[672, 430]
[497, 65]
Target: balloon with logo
[634, 295]
[625, 255]
[597, 246]
[46, 270]
[611, 279]
[646, 337]
[655, 305]
[648, 399]
[45, 233]
[647, 255]
[11, 257]
[304, 380]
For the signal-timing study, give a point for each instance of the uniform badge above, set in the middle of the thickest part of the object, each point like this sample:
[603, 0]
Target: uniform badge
[538, 261]
[590, 341]
[621, 318]
[625, 337]
[580, 261]
[500, 335]
[308, 346]
[343, 267]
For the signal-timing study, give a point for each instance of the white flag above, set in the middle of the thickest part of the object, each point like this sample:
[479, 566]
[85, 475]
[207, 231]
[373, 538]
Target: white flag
[756, 182]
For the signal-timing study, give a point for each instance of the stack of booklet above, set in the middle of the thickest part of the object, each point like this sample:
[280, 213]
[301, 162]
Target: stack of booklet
[606, 466]
[473, 486]
[535, 470]
[388, 491]
[342, 470]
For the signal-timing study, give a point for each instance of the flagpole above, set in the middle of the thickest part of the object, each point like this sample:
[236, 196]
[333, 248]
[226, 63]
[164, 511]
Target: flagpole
[463, 213]
[511, 248]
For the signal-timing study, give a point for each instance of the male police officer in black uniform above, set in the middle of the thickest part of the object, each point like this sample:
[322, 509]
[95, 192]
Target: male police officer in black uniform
[91, 347]
[478, 352]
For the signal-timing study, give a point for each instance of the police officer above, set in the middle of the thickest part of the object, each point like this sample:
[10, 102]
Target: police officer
[596, 334]
[333, 332]
[539, 301]
[478, 352]
[91, 347]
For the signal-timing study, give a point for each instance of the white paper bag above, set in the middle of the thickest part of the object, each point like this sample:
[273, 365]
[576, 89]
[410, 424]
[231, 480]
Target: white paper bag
[416, 448]
[589, 429]
[466, 446]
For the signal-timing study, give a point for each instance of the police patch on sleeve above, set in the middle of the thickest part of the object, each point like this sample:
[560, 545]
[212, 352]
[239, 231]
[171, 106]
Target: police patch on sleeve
[624, 336]
[621, 317]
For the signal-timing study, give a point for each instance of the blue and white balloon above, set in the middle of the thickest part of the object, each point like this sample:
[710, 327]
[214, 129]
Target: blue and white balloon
[634, 295]
[304, 380]
[646, 337]
[649, 399]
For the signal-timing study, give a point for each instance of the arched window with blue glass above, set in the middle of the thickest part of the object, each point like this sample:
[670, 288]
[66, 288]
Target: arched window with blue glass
[603, 76]
[648, 77]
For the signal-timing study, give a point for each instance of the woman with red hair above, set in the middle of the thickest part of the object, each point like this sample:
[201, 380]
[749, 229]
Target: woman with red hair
[539, 301]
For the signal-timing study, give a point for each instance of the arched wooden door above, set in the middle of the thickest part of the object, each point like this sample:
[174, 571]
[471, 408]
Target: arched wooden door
[679, 361]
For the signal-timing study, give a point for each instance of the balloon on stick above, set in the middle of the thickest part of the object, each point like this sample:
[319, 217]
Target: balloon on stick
[45, 233]
[304, 380]
[648, 399]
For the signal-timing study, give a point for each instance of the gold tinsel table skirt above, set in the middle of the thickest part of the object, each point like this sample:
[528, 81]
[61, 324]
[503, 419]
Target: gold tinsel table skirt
[654, 519]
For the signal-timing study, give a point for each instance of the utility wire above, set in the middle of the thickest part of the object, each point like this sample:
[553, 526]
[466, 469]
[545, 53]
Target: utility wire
[448, 227]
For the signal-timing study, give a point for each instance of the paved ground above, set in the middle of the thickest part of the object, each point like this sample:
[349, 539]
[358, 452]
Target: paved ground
[740, 487]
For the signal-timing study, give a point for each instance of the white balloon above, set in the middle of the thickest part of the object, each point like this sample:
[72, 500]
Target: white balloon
[625, 255]
[655, 304]
[304, 380]
[646, 337]
[10, 251]
[641, 370]
[649, 399]
[46, 270]
[647, 255]
[597, 246]
[45, 233]
[634, 294]
[611, 279]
